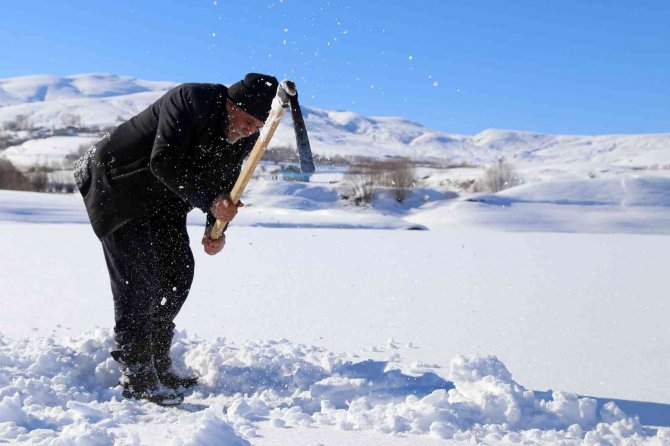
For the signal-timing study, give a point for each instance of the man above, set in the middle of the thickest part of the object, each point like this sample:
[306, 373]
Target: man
[138, 184]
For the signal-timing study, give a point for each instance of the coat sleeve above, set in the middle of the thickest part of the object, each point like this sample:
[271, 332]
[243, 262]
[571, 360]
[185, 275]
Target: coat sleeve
[178, 127]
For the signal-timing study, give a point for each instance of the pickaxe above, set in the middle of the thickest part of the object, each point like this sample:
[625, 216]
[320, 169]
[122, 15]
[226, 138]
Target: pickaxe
[286, 96]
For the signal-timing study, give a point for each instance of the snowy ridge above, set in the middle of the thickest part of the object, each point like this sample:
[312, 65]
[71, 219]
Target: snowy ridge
[625, 150]
[105, 100]
[102, 112]
[350, 134]
[45, 88]
[52, 389]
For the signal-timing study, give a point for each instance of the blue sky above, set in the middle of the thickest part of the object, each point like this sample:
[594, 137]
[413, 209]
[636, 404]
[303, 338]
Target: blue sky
[560, 66]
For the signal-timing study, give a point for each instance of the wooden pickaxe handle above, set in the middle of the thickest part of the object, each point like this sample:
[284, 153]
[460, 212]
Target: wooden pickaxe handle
[279, 104]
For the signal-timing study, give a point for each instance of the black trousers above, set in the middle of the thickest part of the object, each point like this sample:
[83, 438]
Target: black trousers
[150, 266]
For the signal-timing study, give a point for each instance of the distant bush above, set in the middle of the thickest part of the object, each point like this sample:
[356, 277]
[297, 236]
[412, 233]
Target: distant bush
[501, 175]
[459, 165]
[20, 122]
[364, 177]
[281, 154]
[37, 175]
[61, 180]
[362, 185]
[331, 160]
[464, 184]
[659, 167]
[71, 120]
[11, 178]
[399, 176]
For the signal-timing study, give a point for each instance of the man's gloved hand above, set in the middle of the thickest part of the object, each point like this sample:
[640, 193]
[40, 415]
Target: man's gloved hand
[223, 209]
[213, 247]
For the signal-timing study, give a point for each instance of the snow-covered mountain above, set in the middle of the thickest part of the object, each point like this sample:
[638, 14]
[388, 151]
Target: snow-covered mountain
[46, 88]
[104, 100]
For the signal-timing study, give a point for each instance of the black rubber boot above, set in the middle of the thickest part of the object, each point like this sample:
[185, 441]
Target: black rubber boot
[140, 380]
[162, 341]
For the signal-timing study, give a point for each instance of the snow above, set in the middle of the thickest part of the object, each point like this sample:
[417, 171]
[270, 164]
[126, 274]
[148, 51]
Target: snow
[452, 335]
[626, 203]
[632, 204]
[95, 112]
[48, 152]
[536, 315]
[62, 392]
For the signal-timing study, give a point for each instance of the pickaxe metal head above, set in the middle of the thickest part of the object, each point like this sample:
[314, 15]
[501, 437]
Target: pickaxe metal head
[288, 94]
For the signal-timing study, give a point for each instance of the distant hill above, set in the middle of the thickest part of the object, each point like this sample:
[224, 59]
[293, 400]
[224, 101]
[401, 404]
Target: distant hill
[46, 88]
[104, 100]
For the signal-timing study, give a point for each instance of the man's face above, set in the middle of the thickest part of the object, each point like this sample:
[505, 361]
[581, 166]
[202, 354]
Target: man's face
[240, 123]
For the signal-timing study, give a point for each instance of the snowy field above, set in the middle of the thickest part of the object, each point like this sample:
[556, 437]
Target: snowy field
[478, 329]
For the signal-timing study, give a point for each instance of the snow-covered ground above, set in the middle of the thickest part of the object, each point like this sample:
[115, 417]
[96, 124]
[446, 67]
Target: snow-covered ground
[536, 315]
[349, 336]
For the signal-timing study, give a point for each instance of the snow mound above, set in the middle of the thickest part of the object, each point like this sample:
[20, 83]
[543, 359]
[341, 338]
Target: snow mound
[49, 152]
[211, 428]
[62, 392]
[625, 191]
[495, 139]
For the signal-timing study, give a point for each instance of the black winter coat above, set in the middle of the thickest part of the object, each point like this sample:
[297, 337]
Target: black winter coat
[174, 148]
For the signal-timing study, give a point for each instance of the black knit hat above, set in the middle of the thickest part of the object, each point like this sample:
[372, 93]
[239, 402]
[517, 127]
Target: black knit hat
[254, 94]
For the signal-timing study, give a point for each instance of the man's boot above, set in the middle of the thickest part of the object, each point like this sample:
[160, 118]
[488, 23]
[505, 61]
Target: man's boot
[162, 341]
[140, 381]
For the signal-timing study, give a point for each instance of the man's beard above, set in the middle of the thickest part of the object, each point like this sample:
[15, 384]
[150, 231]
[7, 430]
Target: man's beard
[233, 136]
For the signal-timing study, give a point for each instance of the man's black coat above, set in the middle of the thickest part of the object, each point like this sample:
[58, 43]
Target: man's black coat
[176, 147]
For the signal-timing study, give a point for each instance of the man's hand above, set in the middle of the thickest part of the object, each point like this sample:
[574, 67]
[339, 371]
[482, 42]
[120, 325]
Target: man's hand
[213, 247]
[223, 208]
